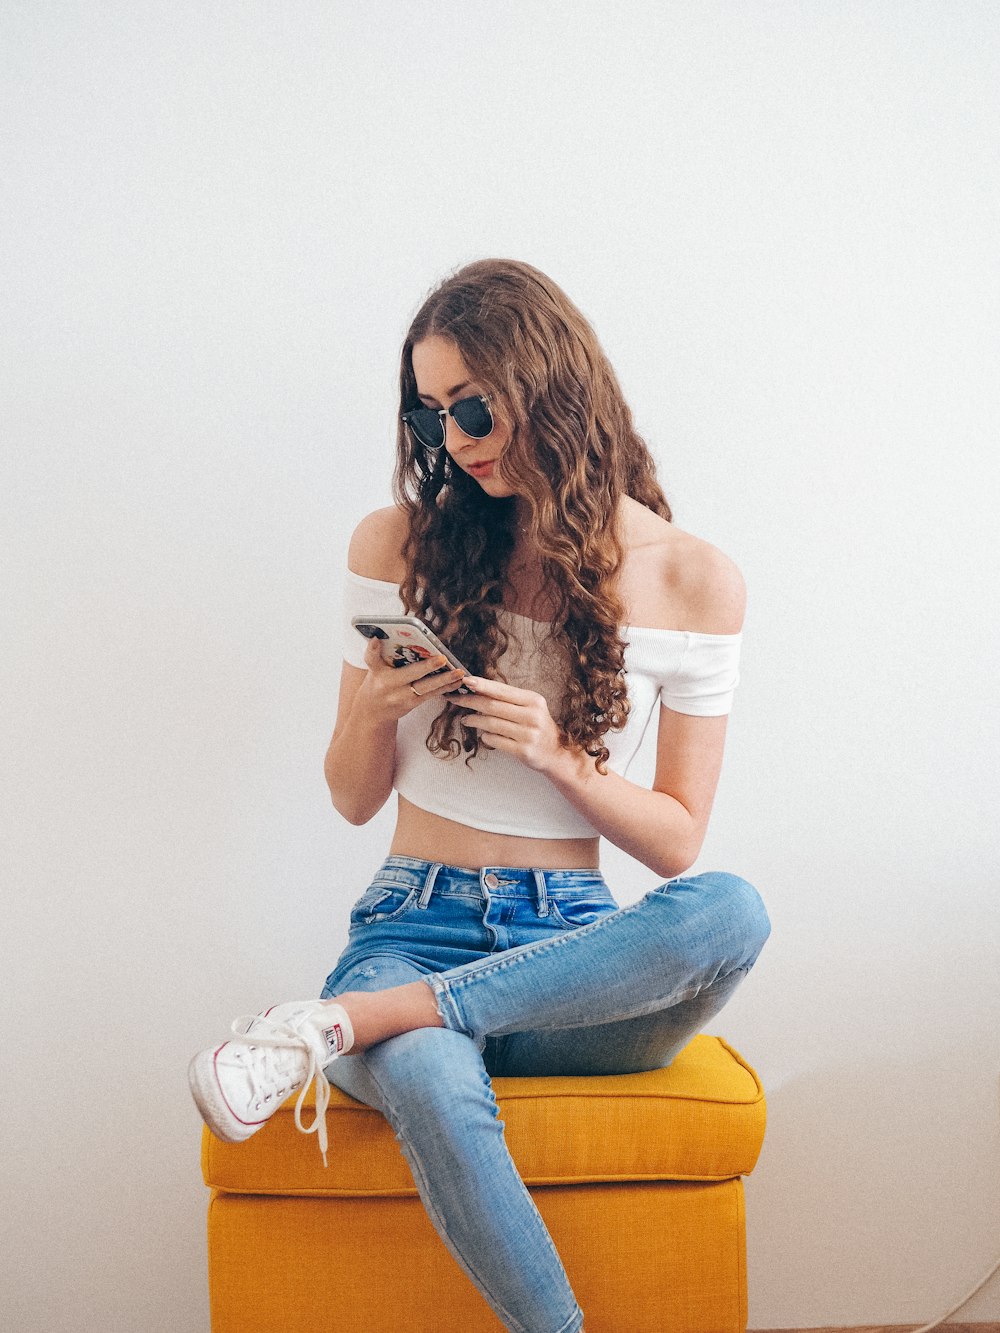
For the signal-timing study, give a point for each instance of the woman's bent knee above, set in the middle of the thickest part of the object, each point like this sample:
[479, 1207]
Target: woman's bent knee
[412, 1069]
[744, 908]
[429, 1068]
[743, 925]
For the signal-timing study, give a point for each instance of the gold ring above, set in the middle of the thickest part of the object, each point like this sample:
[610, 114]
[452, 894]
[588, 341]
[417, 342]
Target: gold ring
[415, 691]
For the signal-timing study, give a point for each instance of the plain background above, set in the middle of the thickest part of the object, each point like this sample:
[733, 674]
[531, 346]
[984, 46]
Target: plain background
[218, 221]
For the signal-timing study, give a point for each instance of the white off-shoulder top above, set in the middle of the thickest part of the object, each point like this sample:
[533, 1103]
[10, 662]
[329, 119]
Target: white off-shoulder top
[686, 672]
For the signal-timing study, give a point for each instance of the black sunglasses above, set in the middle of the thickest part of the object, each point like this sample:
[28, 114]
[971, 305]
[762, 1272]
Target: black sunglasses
[472, 417]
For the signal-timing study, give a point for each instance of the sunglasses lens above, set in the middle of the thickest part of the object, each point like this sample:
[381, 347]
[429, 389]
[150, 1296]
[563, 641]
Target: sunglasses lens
[427, 427]
[473, 418]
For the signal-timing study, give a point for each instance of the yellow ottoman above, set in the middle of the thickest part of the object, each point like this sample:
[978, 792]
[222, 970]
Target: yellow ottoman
[636, 1175]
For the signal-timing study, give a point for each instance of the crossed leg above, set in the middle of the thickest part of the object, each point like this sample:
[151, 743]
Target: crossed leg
[432, 1086]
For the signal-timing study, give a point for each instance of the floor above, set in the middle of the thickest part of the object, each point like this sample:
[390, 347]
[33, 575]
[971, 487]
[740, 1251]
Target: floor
[890, 1328]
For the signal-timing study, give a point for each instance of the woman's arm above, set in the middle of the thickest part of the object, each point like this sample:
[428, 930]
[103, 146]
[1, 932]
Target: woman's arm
[361, 758]
[663, 827]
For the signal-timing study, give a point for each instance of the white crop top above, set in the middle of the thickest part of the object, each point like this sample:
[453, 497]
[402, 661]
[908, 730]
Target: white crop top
[687, 672]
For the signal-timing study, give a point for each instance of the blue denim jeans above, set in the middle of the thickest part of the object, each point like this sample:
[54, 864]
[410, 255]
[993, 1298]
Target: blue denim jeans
[535, 972]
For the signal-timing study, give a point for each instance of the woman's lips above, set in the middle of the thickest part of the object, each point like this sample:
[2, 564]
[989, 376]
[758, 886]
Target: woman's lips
[479, 469]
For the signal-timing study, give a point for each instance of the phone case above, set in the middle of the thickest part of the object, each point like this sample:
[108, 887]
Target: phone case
[406, 640]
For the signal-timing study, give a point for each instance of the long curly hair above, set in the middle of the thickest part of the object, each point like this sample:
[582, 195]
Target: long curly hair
[573, 454]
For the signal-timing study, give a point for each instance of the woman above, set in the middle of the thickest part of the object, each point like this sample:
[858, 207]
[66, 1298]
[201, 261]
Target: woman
[528, 530]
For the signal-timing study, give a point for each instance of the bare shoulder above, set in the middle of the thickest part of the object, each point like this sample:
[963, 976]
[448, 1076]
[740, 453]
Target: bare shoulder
[376, 549]
[714, 593]
[675, 580]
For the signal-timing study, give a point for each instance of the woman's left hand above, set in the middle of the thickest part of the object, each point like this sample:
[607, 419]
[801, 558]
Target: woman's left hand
[516, 721]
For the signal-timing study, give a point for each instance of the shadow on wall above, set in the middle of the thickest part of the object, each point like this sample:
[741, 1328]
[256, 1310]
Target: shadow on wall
[875, 1196]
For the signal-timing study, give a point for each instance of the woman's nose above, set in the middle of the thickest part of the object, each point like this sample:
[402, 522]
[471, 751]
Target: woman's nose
[455, 438]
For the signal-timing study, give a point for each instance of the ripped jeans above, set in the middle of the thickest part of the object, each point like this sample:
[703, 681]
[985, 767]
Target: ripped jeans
[535, 972]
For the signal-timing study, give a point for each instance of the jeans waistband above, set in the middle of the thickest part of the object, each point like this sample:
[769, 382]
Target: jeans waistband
[528, 882]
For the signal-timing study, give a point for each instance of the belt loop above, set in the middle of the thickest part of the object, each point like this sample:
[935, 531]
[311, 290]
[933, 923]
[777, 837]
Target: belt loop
[543, 897]
[428, 889]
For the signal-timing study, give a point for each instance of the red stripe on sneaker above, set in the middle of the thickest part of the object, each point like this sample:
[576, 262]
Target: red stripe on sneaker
[222, 1092]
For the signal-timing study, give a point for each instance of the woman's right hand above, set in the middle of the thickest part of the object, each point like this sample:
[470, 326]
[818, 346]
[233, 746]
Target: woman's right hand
[392, 692]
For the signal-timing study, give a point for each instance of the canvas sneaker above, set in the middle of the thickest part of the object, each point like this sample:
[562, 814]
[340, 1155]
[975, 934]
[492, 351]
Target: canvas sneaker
[239, 1085]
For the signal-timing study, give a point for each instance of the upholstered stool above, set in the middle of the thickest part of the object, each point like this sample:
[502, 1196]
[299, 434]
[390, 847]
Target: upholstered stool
[636, 1175]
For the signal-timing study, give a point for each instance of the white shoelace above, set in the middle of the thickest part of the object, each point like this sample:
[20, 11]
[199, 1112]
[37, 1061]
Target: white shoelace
[282, 1036]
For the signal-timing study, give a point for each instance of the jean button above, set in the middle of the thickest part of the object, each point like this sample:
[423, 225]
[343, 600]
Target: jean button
[491, 881]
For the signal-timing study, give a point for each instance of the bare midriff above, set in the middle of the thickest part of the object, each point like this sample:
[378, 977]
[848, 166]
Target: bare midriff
[434, 838]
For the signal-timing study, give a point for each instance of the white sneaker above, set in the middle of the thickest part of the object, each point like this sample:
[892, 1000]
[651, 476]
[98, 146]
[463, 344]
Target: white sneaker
[239, 1085]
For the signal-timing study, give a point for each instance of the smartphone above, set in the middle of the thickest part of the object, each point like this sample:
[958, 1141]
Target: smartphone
[405, 640]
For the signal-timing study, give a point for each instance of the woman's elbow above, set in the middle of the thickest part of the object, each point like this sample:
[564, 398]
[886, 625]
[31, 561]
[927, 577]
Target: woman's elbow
[355, 817]
[354, 807]
[676, 859]
[672, 867]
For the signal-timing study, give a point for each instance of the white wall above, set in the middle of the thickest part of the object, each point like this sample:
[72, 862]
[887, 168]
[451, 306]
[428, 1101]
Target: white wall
[220, 218]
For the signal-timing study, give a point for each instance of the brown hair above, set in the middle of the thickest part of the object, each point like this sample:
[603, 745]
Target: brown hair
[573, 454]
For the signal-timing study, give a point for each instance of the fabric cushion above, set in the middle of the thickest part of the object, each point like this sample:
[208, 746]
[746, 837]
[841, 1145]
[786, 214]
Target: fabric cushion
[700, 1119]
